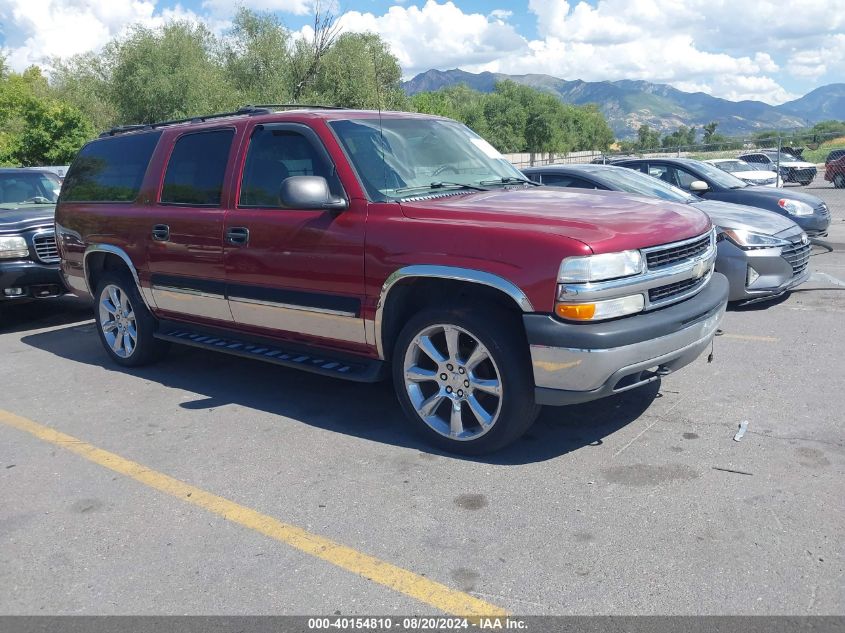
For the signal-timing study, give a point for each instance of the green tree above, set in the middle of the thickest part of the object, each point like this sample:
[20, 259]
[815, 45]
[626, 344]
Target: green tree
[171, 72]
[647, 138]
[35, 128]
[83, 81]
[358, 71]
[684, 136]
[257, 59]
[710, 132]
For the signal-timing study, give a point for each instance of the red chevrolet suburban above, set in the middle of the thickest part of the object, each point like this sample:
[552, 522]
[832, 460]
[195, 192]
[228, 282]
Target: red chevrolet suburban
[358, 244]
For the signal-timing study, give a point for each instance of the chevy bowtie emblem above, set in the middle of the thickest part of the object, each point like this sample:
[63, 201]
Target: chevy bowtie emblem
[699, 269]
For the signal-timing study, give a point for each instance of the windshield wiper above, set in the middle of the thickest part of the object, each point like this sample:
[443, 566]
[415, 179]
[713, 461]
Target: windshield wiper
[509, 180]
[440, 185]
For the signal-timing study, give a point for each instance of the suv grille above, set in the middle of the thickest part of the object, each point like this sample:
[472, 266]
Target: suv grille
[661, 293]
[45, 247]
[798, 256]
[671, 254]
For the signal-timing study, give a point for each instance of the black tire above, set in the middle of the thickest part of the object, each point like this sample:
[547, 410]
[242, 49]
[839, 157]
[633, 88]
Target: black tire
[146, 349]
[503, 338]
[839, 181]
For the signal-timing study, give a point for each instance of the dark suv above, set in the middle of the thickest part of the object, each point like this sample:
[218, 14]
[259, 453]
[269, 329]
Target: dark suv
[809, 212]
[29, 260]
[361, 245]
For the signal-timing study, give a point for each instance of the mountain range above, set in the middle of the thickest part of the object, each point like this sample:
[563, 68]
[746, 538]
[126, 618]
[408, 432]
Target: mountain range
[628, 104]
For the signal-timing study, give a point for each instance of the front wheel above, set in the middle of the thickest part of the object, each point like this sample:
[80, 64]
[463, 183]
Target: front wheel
[839, 181]
[464, 381]
[124, 324]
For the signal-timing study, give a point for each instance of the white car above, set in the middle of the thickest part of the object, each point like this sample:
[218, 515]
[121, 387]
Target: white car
[747, 172]
[792, 169]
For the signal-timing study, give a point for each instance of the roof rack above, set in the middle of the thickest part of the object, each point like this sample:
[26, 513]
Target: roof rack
[247, 110]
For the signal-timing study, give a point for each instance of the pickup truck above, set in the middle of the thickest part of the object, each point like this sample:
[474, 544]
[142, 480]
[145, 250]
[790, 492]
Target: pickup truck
[365, 245]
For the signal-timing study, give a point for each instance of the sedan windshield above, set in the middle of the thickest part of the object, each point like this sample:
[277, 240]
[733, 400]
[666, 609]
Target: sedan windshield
[28, 186]
[721, 178]
[407, 157]
[734, 166]
[622, 179]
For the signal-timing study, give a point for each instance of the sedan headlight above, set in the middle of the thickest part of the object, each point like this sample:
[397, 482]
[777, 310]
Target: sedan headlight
[600, 267]
[750, 239]
[795, 207]
[13, 247]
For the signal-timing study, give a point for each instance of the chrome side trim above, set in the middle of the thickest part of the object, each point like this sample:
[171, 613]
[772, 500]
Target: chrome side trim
[444, 272]
[187, 291]
[291, 306]
[146, 293]
[326, 324]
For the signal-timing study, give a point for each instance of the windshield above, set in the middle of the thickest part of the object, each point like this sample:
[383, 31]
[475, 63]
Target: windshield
[28, 186]
[623, 179]
[721, 178]
[410, 157]
[733, 166]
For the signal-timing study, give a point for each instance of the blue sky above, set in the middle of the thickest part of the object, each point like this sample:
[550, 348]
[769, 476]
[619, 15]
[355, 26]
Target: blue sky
[753, 49]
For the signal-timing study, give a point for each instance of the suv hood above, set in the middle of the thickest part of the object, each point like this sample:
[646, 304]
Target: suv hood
[799, 164]
[21, 216]
[603, 220]
[738, 216]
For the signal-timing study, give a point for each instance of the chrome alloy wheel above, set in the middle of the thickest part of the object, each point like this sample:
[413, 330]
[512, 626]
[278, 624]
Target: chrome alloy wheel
[117, 320]
[453, 382]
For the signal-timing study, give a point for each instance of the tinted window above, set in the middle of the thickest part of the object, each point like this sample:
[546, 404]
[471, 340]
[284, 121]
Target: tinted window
[28, 186]
[110, 169]
[562, 180]
[196, 169]
[275, 155]
[684, 178]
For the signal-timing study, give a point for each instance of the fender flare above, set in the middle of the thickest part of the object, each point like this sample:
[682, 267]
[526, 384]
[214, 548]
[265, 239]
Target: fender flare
[451, 273]
[110, 249]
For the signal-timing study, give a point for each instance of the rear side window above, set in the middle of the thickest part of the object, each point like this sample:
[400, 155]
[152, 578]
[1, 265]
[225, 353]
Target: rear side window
[110, 169]
[562, 180]
[196, 169]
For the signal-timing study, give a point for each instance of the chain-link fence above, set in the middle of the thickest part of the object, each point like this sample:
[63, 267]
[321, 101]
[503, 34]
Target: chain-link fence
[796, 158]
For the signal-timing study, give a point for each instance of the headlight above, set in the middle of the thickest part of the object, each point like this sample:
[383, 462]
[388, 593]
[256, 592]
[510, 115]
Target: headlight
[13, 246]
[600, 267]
[795, 207]
[749, 239]
[597, 310]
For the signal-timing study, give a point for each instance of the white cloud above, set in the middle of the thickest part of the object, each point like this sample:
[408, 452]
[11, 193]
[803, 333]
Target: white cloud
[37, 30]
[437, 35]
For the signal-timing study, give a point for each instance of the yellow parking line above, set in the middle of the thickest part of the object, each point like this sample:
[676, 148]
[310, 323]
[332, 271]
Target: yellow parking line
[751, 337]
[428, 591]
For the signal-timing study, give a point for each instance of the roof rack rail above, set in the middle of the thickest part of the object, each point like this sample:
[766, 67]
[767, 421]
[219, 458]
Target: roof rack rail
[246, 110]
[295, 106]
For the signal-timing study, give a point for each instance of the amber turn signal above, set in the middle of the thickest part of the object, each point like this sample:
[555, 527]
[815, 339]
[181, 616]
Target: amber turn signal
[582, 311]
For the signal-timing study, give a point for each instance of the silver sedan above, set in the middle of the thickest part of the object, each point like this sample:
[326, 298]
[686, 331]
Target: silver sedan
[762, 253]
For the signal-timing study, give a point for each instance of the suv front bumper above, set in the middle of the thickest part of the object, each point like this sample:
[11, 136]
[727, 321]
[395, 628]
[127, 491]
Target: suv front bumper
[38, 281]
[579, 362]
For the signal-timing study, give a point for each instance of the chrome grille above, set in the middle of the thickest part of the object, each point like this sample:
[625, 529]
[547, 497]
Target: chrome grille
[45, 247]
[798, 256]
[661, 293]
[673, 253]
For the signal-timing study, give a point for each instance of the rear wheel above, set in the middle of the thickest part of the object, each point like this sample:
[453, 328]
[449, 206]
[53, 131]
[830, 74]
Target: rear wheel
[464, 381]
[839, 181]
[124, 324]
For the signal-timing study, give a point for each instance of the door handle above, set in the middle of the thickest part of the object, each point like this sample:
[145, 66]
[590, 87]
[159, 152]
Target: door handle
[237, 235]
[161, 232]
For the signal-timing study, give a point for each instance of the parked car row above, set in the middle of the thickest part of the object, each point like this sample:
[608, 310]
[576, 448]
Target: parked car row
[763, 254]
[753, 174]
[365, 245]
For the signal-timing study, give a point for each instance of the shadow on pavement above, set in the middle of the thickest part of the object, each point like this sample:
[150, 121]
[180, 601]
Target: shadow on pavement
[368, 411]
[43, 313]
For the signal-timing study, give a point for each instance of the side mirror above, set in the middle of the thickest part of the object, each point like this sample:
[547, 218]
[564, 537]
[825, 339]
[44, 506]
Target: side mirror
[698, 186]
[309, 192]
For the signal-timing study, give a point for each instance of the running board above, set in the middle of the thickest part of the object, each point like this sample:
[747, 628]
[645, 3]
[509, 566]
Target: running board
[299, 357]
